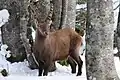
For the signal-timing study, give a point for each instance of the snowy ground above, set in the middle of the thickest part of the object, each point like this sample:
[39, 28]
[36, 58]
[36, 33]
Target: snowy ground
[20, 71]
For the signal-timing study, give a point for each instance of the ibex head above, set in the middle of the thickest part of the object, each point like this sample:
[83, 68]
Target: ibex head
[43, 29]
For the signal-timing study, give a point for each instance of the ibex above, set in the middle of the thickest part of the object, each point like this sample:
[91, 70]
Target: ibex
[58, 45]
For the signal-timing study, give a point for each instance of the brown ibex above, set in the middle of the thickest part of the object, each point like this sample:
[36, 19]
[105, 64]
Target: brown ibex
[58, 45]
[52, 46]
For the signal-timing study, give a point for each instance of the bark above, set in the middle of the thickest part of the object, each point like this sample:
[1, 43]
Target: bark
[15, 32]
[68, 13]
[40, 10]
[99, 41]
[57, 9]
[11, 31]
[71, 14]
[64, 13]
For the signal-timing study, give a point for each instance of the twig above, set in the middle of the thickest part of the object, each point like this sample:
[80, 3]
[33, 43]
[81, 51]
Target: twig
[117, 7]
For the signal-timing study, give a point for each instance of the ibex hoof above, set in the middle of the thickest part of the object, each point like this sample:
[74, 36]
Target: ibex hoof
[79, 74]
[73, 71]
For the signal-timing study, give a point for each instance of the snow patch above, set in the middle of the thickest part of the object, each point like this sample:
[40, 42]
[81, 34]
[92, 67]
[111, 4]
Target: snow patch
[81, 6]
[117, 65]
[3, 62]
[4, 16]
[115, 4]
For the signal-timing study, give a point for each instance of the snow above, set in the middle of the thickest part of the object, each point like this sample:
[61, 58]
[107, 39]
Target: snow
[115, 4]
[21, 71]
[4, 16]
[117, 65]
[81, 6]
[3, 61]
[43, 78]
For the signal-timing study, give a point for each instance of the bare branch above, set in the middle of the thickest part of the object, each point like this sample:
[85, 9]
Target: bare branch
[117, 7]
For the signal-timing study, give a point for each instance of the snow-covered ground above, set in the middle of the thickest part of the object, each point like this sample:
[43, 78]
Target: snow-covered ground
[21, 71]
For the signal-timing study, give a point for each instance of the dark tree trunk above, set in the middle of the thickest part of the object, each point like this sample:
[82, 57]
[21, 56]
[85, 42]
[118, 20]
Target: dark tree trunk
[64, 13]
[12, 32]
[99, 41]
[15, 32]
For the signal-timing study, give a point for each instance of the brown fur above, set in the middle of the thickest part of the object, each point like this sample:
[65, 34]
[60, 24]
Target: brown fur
[58, 45]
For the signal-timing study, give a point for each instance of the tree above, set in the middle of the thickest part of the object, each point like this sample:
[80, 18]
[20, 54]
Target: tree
[14, 32]
[71, 11]
[57, 9]
[64, 13]
[99, 41]
[11, 30]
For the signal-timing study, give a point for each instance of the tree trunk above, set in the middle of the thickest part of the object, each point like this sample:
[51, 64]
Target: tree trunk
[57, 9]
[14, 31]
[71, 14]
[40, 10]
[64, 13]
[99, 41]
[68, 15]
